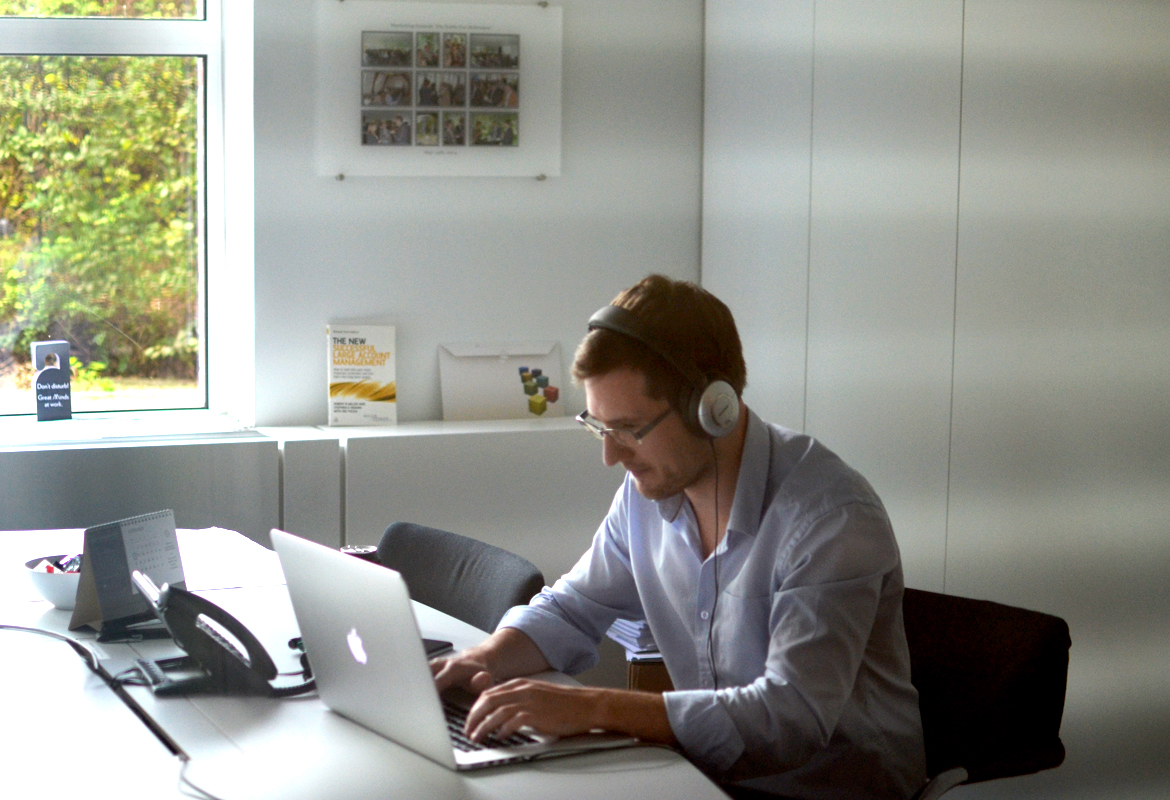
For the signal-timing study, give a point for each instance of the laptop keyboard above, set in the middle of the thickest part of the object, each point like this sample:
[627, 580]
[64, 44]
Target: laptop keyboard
[457, 715]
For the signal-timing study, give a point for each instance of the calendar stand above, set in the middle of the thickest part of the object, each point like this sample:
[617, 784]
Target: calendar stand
[107, 600]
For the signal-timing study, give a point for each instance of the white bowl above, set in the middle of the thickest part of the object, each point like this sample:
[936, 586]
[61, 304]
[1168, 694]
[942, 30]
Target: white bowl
[59, 588]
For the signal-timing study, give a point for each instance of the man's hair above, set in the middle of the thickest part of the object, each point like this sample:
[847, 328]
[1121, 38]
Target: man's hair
[686, 321]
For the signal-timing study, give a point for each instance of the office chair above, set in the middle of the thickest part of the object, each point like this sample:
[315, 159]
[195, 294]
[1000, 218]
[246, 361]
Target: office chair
[991, 680]
[466, 578]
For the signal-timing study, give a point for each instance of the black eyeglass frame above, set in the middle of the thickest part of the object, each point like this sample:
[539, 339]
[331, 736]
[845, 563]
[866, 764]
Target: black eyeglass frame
[619, 435]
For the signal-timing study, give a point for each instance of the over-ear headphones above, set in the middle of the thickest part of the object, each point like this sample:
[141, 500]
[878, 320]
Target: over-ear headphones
[711, 403]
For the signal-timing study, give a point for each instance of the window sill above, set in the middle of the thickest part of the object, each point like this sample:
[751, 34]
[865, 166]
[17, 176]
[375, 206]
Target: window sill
[440, 427]
[158, 427]
[26, 433]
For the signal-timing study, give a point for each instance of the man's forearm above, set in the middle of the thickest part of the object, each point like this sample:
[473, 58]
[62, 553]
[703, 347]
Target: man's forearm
[640, 714]
[509, 653]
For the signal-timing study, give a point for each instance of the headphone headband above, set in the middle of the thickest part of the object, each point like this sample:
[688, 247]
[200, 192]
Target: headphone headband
[712, 405]
[622, 320]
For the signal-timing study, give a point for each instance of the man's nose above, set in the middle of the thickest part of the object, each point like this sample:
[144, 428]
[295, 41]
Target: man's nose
[612, 452]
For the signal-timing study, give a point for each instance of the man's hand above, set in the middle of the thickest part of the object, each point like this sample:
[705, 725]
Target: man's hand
[461, 672]
[494, 670]
[559, 710]
[549, 708]
[507, 653]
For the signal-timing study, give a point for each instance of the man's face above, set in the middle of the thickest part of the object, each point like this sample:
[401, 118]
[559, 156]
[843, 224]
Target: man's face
[669, 459]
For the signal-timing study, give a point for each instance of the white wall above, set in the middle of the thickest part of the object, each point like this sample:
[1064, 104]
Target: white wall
[951, 264]
[829, 228]
[1060, 473]
[452, 259]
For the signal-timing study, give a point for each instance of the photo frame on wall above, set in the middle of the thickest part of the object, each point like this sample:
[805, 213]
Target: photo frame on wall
[429, 89]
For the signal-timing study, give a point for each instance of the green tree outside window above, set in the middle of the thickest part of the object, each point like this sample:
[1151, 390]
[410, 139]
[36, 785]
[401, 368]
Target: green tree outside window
[100, 201]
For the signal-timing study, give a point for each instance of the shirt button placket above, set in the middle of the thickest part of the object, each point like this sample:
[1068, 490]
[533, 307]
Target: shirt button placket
[703, 608]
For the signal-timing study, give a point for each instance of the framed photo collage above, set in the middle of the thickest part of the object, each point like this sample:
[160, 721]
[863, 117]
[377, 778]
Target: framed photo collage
[440, 88]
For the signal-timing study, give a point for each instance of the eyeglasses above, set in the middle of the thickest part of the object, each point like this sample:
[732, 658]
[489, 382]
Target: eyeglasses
[621, 436]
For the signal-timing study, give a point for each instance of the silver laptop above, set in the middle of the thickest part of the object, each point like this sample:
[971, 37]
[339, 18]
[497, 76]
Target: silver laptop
[367, 657]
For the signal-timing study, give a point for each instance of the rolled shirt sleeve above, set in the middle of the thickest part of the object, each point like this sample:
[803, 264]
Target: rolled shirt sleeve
[568, 619]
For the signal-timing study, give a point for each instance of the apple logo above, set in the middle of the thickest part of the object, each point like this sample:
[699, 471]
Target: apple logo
[356, 647]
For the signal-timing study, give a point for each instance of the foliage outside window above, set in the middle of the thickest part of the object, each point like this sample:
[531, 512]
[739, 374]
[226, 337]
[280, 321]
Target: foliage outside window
[101, 216]
[142, 9]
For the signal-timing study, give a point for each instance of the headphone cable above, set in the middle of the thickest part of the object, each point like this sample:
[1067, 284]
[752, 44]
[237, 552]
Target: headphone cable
[715, 568]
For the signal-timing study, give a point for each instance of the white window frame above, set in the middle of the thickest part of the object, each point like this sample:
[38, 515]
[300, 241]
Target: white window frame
[224, 39]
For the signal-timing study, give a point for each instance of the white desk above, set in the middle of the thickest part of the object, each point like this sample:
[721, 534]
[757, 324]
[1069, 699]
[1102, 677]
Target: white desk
[295, 748]
[67, 734]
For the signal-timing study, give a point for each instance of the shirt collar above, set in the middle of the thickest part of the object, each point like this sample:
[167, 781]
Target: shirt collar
[747, 506]
[670, 507]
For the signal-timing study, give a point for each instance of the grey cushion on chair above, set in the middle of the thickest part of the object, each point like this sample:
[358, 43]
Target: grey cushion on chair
[466, 578]
[991, 682]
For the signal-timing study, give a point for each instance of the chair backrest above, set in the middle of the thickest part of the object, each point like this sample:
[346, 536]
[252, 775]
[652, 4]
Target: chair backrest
[991, 682]
[466, 578]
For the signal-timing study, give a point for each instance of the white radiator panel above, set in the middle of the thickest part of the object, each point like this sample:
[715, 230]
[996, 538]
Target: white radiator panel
[539, 490]
[229, 484]
[310, 481]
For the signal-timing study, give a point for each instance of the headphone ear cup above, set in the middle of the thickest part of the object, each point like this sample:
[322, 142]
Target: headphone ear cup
[718, 410]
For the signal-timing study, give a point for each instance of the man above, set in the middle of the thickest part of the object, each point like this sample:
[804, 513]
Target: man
[401, 130]
[765, 567]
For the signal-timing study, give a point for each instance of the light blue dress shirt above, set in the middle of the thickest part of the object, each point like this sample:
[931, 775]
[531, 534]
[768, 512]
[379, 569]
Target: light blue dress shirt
[808, 694]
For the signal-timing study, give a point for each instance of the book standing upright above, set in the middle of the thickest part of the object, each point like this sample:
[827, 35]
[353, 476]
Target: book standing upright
[362, 385]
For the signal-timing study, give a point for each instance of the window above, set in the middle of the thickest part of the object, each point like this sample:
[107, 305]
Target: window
[112, 197]
[128, 9]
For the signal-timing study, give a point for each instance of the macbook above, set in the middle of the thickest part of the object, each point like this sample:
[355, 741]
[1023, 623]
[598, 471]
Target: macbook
[368, 660]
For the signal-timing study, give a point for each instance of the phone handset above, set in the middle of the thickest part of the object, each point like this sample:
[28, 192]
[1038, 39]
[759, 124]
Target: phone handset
[205, 632]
